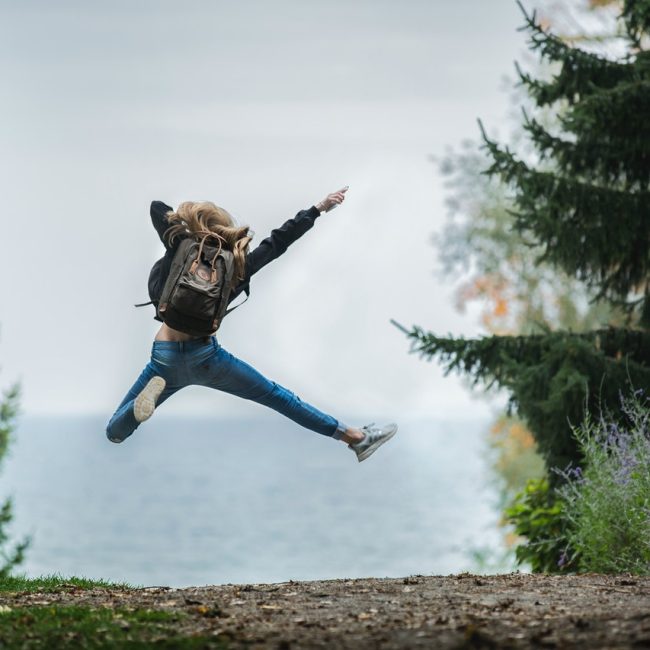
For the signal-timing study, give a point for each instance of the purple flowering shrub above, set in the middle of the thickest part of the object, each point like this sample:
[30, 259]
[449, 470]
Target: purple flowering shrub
[606, 505]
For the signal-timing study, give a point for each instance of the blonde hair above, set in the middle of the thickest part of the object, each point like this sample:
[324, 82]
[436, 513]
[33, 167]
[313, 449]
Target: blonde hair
[197, 218]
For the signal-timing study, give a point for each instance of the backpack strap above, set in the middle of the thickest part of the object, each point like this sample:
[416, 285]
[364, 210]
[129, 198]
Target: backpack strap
[195, 263]
[247, 292]
[213, 266]
[144, 304]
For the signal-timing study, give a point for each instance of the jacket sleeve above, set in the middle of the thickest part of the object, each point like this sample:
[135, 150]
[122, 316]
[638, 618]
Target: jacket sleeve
[280, 239]
[158, 212]
[275, 244]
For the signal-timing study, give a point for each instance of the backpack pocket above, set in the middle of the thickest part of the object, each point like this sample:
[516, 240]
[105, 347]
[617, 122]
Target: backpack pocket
[194, 300]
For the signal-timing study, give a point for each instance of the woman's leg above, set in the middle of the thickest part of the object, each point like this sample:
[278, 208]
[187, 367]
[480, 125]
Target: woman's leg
[227, 373]
[123, 423]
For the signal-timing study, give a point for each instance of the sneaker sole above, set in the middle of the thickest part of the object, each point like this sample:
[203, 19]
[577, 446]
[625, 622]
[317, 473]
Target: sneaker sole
[145, 402]
[367, 452]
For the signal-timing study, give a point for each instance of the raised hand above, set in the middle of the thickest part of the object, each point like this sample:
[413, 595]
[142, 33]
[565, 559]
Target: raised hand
[332, 200]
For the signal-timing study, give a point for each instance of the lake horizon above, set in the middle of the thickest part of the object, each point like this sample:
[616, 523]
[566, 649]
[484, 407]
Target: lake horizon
[189, 501]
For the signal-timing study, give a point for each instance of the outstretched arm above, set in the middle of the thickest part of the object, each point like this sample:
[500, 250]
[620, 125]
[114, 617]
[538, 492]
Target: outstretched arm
[280, 238]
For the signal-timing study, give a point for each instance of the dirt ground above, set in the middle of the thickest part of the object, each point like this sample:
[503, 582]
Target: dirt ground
[457, 611]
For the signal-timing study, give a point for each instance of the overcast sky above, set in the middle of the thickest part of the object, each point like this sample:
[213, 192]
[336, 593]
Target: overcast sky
[264, 108]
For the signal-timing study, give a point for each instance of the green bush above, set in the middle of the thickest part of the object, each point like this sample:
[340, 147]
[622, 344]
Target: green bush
[607, 506]
[538, 515]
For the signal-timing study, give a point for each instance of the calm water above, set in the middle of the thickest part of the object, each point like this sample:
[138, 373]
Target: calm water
[197, 501]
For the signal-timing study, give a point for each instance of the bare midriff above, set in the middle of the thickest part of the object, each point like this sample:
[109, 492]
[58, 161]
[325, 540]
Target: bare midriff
[166, 333]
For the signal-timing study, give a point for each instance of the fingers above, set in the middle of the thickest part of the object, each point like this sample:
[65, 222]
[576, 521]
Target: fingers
[342, 191]
[333, 199]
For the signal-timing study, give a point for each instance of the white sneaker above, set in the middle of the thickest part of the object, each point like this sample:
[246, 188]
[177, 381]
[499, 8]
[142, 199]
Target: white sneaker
[375, 437]
[145, 402]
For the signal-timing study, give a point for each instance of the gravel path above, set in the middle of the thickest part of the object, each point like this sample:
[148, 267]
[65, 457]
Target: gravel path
[457, 611]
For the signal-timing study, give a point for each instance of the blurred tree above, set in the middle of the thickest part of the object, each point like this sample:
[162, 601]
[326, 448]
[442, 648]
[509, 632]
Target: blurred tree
[499, 270]
[9, 556]
[593, 24]
[518, 294]
[563, 193]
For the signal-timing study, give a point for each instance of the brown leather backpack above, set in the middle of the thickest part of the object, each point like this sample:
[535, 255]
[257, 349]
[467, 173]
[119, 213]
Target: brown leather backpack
[195, 297]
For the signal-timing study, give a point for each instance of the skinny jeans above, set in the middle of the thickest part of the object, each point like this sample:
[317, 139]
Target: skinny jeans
[204, 362]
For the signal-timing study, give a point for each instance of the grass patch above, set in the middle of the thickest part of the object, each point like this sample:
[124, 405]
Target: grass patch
[43, 628]
[54, 582]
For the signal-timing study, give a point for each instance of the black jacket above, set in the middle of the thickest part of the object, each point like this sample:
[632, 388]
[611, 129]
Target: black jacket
[267, 250]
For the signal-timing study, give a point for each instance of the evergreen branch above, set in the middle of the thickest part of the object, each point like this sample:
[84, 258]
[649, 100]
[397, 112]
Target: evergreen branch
[399, 326]
[611, 114]
[582, 72]
[594, 162]
[9, 409]
[550, 376]
[612, 342]
[555, 49]
[636, 15]
[574, 222]
[9, 558]
[535, 88]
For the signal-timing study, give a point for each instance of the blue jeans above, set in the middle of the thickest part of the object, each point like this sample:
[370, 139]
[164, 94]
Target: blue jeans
[204, 362]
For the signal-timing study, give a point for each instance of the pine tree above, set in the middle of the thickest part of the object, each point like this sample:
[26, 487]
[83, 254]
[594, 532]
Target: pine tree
[9, 557]
[585, 203]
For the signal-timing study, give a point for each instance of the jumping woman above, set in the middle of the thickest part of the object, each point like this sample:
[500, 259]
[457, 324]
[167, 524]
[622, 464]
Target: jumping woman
[180, 359]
